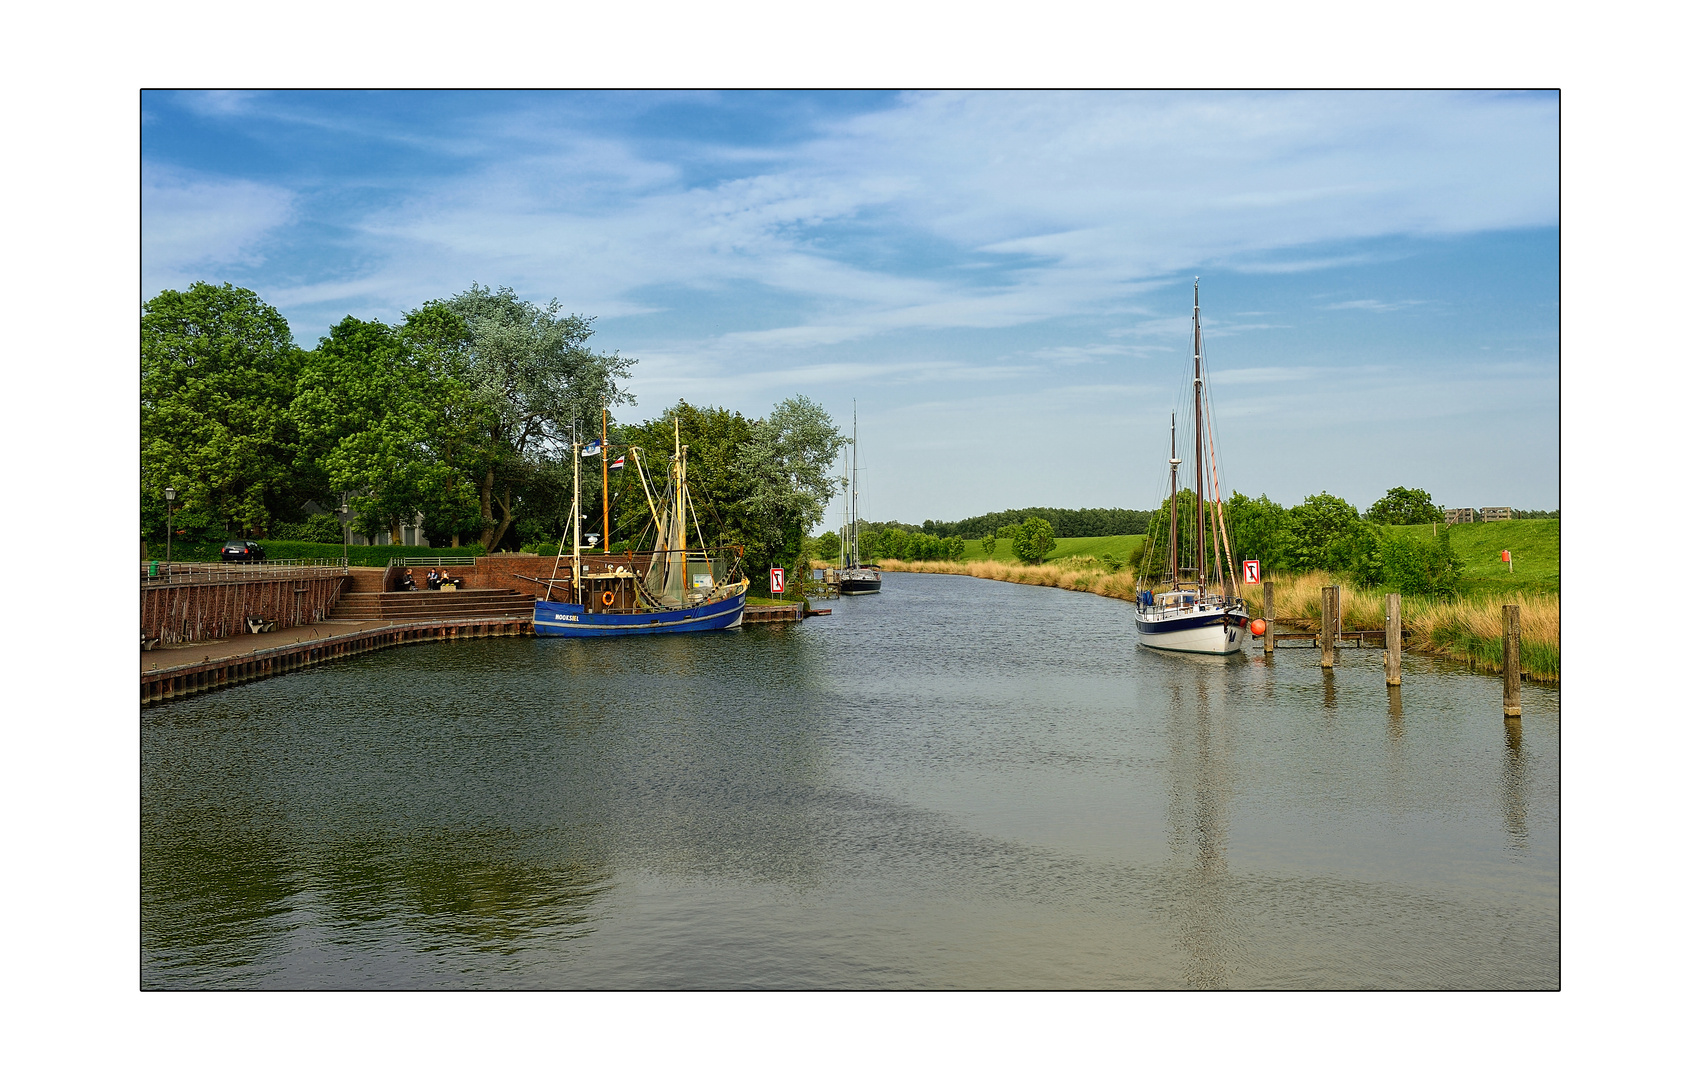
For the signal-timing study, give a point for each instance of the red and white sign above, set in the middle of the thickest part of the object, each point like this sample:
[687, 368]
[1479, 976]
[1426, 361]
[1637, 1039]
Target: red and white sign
[1251, 568]
[776, 579]
[1505, 556]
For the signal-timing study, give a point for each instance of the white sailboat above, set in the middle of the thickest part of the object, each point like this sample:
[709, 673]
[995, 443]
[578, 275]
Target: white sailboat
[1195, 608]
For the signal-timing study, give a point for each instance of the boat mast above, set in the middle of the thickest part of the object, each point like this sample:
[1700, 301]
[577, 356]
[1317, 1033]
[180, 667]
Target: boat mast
[604, 478]
[577, 594]
[844, 505]
[1199, 434]
[679, 504]
[1174, 541]
[856, 521]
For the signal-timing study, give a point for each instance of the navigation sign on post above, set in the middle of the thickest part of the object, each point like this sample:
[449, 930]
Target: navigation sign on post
[1251, 568]
[776, 579]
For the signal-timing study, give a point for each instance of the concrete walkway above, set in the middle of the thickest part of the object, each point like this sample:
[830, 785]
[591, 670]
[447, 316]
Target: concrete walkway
[162, 657]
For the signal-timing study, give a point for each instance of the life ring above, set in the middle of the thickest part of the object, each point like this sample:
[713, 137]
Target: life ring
[607, 598]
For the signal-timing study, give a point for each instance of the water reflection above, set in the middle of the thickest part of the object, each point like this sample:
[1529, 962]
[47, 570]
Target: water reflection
[1200, 785]
[1512, 787]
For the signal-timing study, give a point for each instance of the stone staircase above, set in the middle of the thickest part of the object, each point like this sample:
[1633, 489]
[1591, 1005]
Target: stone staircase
[426, 606]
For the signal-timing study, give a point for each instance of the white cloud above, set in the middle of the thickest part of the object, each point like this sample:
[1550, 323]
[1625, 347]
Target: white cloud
[1069, 202]
[193, 224]
[1378, 306]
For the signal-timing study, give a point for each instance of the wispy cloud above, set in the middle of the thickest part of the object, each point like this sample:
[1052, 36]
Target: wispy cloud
[1372, 305]
[194, 224]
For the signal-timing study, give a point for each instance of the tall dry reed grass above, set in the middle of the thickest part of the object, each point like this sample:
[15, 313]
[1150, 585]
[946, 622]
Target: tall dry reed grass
[1467, 629]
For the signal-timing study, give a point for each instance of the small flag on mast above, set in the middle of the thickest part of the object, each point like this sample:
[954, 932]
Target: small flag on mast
[618, 463]
[593, 449]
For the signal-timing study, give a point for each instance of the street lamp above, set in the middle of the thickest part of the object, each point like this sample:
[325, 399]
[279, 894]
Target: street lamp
[344, 512]
[170, 497]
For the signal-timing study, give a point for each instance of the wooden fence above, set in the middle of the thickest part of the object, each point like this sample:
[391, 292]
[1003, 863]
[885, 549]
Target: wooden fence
[176, 613]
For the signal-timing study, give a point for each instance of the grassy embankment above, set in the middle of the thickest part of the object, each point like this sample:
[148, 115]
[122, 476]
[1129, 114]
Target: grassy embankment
[1467, 628]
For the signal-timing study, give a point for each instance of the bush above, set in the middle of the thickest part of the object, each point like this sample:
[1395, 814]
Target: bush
[318, 529]
[1410, 566]
[1033, 540]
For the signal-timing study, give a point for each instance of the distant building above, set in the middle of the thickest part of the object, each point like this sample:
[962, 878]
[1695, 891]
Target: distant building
[1463, 515]
[1497, 513]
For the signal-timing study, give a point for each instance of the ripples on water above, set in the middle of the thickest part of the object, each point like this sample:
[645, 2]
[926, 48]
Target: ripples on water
[956, 783]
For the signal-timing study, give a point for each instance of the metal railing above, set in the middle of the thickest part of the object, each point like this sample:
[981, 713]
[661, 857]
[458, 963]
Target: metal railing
[162, 573]
[452, 560]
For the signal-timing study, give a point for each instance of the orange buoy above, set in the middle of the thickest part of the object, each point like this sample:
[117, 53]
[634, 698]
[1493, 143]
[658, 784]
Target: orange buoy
[1257, 627]
[607, 599]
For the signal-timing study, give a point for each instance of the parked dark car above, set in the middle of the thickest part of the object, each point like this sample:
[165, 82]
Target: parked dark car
[242, 551]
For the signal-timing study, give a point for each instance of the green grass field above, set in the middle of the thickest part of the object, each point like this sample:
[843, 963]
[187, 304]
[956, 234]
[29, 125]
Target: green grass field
[1534, 544]
[1118, 547]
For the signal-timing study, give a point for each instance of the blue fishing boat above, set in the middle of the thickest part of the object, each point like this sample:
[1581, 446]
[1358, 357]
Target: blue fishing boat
[669, 589]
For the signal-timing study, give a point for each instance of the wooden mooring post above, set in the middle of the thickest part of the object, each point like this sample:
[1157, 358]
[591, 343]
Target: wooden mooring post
[1511, 662]
[1269, 618]
[1326, 634]
[1391, 640]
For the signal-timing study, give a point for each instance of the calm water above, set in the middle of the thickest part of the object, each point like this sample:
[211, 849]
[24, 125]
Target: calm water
[958, 783]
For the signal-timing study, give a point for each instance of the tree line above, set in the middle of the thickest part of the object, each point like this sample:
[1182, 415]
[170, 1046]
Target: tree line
[1082, 522]
[464, 412]
[1324, 532]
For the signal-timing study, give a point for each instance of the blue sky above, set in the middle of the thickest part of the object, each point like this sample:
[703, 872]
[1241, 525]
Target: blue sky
[1002, 282]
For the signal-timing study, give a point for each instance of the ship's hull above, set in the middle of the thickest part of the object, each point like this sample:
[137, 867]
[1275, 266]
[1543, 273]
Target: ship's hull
[572, 620]
[1218, 631]
[854, 586]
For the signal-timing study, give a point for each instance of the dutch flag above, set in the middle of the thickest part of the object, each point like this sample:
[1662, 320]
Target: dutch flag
[617, 463]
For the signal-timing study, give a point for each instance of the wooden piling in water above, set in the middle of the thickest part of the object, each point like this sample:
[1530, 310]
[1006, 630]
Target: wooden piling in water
[1269, 618]
[1391, 640]
[1511, 662]
[1326, 631]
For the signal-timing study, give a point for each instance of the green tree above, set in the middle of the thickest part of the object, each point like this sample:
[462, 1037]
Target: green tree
[827, 547]
[1325, 533]
[1411, 565]
[989, 544]
[713, 438]
[218, 375]
[1156, 560]
[1033, 540]
[1404, 506]
[788, 461]
[528, 378]
[1255, 529]
[363, 407]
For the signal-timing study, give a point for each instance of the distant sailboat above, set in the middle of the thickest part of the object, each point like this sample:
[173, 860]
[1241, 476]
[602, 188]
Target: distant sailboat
[1186, 615]
[854, 578]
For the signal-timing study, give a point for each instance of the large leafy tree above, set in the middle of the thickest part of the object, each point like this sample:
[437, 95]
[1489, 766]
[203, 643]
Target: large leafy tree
[1325, 533]
[1404, 506]
[364, 406]
[523, 377]
[712, 438]
[788, 461]
[218, 374]
[1256, 529]
[1032, 539]
[757, 484]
